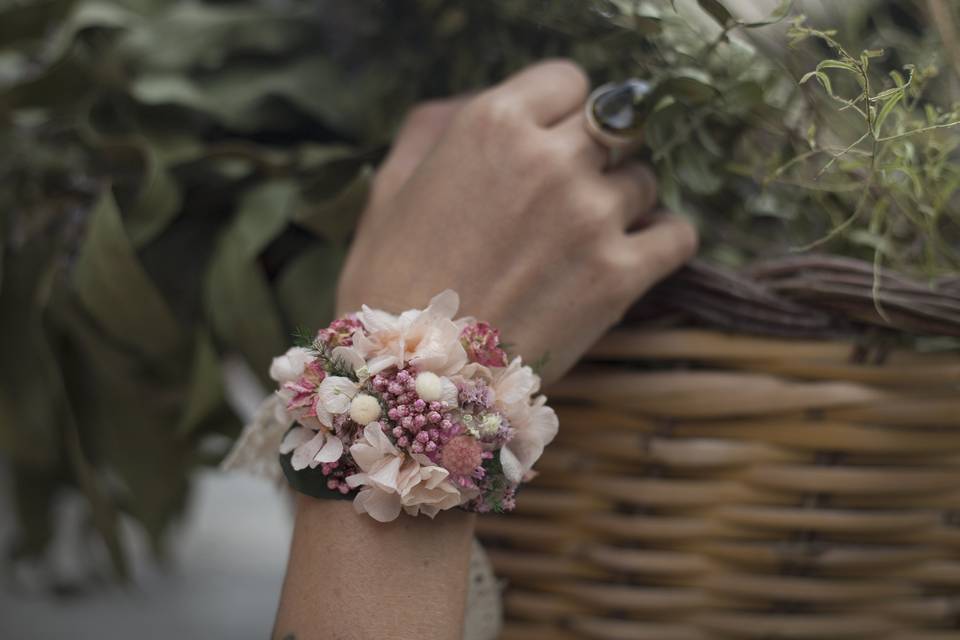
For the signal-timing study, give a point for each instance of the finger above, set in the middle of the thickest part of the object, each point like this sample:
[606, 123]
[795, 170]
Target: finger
[636, 187]
[659, 249]
[573, 130]
[418, 135]
[548, 91]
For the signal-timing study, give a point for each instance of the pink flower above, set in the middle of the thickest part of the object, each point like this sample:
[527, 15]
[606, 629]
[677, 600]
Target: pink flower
[532, 433]
[340, 332]
[428, 339]
[462, 455]
[393, 481]
[301, 393]
[482, 343]
[535, 425]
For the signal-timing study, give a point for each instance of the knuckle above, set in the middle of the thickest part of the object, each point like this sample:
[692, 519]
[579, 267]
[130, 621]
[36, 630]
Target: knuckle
[493, 109]
[589, 208]
[565, 151]
[537, 154]
[569, 71]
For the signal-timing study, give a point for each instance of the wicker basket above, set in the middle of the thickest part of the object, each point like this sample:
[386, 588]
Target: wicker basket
[739, 486]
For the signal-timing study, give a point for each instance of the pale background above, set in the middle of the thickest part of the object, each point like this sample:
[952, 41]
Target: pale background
[221, 583]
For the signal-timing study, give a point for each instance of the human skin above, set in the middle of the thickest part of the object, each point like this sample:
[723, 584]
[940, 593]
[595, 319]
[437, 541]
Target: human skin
[503, 197]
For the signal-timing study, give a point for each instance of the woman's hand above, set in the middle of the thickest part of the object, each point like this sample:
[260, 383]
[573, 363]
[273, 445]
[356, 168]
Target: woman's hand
[504, 198]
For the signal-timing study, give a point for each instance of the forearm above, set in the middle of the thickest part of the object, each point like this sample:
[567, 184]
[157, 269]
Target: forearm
[350, 577]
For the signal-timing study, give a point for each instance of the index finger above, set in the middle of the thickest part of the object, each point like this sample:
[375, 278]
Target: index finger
[550, 91]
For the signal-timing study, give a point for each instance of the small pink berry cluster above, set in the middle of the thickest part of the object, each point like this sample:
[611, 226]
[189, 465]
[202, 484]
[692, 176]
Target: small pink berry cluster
[428, 428]
[417, 425]
[337, 472]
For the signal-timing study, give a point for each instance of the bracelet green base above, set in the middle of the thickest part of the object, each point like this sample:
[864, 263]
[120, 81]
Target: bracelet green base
[310, 482]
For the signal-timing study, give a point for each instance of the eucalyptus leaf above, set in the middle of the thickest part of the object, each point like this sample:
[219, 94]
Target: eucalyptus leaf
[306, 289]
[115, 289]
[689, 90]
[717, 11]
[696, 171]
[103, 512]
[157, 199]
[66, 75]
[205, 396]
[31, 20]
[778, 15]
[335, 218]
[127, 414]
[3, 243]
[239, 299]
[34, 493]
[235, 94]
[30, 402]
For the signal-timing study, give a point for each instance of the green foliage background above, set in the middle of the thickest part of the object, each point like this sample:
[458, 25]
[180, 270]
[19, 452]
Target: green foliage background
[179, 181]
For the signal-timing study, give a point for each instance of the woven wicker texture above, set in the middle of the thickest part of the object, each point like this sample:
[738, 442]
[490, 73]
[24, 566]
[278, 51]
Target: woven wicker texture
[709, 485]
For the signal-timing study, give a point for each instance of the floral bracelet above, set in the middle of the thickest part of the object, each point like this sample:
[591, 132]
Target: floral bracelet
[416, 412]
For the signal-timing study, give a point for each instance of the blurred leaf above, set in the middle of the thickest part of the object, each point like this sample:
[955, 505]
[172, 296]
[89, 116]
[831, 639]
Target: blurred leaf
[307, 287]
[3, 243]
[694, 170]
[689, 90]
[742, 98]
[205, 391]
[781, 12]
[34, 494]
[67, 75]
[875, 241]
[234, 93]
[30, 398]
[115, 289]
[336, 217]
[239, 300]
[157, 201]
[206, 34]
[717, 11]
[31, 20]
[102, 511]
[127, 415]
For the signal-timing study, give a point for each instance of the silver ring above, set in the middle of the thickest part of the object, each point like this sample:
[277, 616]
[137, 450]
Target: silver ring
[612, 118]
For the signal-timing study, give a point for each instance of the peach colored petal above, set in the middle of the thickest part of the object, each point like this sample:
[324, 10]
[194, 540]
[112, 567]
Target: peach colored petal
[294, 438]
[381, 506]
[530, 437]
[384, 474]
[444, 304]
[308, 454]
[290, 366]
[331, 451]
